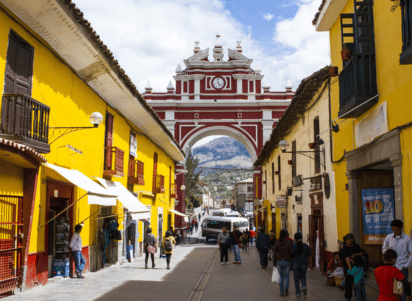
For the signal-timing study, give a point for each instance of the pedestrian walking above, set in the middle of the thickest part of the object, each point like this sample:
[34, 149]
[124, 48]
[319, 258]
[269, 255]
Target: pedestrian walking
[199, 217]
[196, 225]
[348, 252]
[150, 243]
[300, 262]
[223, 240]
[235, 241]
[76, 246]
[252, 236]
[168, 243]
[282, 256]
[245, 240]
[385, 276]
[401, 243]
[263, 246]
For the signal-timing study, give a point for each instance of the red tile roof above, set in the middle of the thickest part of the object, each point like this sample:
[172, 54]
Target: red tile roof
[79, 16]
[315, 19]
[24, 148]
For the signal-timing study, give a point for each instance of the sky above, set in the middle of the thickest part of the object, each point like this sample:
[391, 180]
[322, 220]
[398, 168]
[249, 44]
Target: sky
[150, 38]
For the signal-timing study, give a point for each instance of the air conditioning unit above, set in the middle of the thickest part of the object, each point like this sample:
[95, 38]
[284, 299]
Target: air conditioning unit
[297, 181]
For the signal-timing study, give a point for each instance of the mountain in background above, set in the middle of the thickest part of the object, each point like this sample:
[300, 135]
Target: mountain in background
[223, 152]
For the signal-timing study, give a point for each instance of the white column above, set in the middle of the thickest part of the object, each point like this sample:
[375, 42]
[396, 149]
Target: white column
[197, 89]
[267, 129]
[239, 86]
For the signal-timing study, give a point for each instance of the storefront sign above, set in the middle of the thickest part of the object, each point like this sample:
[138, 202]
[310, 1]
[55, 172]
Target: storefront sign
[378, 207]
[316, 183]
[280, 202]
[133, 146]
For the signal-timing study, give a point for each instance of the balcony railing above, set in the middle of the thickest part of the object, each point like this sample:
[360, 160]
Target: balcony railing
[136, 174]
[25, 120]
[114, 162]
[357, 84]
[160, 184]
[173, 190]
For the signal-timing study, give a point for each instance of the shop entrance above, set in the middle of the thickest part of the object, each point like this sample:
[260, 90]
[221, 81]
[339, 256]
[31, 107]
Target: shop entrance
[60, 229]
[317, 240]
[371, 178]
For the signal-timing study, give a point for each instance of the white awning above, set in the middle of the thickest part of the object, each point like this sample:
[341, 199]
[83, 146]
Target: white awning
[177, 212]
[132, 203]
[98, 195]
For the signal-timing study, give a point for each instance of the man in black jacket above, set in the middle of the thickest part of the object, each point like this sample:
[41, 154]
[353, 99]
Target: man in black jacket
[263, 246]
[235, 238]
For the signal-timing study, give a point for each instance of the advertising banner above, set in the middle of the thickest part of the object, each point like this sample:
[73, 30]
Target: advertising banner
[378, 208]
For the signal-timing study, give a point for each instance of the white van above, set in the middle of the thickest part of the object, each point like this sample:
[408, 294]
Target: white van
[212, 226]
[226, 212]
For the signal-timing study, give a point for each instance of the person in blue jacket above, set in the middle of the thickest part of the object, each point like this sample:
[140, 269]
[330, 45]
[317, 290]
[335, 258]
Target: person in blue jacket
[263, 246]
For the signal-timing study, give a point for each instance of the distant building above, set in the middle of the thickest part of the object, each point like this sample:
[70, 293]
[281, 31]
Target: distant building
[205, 194]
[243, 192]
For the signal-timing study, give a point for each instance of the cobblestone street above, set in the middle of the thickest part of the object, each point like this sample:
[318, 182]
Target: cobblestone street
[196, 274]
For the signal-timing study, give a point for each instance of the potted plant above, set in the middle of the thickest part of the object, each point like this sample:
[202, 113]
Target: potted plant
[276, 172]
[334, 71]
[312, 145]
[345, 53]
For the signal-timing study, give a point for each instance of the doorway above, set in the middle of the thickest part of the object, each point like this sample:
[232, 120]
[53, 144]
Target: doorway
[317, 240]
[60, 229]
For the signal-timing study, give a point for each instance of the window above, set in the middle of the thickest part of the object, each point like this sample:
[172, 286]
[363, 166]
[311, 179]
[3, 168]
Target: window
[108, 141]
[317, 147]
[357, 81]
[293, 158]
[273, 177]
[154, 169]
[279, 175]
[406, 9]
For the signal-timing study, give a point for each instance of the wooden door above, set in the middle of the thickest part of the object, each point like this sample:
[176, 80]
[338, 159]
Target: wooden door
[274, 222]
[17, 80]
[109, 141]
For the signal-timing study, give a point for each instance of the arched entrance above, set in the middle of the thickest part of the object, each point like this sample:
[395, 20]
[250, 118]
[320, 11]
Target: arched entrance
[221, 130]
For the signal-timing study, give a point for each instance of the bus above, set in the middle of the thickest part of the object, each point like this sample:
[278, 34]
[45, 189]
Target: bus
[212, 226]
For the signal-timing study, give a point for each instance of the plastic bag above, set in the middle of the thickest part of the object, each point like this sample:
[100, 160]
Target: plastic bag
[275, 275]
[338, 273]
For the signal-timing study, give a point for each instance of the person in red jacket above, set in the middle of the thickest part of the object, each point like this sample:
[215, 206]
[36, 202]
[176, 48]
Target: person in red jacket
[385, 276]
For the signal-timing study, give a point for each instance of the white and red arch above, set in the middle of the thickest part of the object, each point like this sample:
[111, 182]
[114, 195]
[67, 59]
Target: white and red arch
[239, 107]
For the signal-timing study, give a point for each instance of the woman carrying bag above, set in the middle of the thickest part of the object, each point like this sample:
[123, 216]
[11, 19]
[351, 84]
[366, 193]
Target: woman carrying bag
[282, 258]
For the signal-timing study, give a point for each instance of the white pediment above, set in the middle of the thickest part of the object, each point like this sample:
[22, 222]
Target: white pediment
[234, 55]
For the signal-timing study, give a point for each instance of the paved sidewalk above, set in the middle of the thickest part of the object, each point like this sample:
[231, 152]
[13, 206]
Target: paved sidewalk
[98, 283]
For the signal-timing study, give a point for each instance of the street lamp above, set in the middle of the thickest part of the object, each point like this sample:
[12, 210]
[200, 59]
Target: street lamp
[95, 118]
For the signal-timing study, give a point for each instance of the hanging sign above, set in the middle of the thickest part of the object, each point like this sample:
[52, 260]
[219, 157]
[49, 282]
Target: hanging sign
[378, 208]
[281, 202]
[133, 146]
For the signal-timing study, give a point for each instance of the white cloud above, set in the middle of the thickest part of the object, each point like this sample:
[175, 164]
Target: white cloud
[268, 16]
[150, 38]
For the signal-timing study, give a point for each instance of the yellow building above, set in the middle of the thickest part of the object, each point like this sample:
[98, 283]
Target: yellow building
[298, 178]
[370, 44]
[58, 169]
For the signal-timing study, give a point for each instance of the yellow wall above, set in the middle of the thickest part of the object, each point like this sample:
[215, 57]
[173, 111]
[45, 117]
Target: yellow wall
[11, 179]
[72, 101]
[394, 83]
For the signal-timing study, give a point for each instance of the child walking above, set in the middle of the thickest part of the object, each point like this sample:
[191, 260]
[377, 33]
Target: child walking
[358, 272]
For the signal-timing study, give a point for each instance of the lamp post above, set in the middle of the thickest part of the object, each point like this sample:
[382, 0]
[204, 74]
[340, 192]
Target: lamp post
[283, 144]
[95, 118]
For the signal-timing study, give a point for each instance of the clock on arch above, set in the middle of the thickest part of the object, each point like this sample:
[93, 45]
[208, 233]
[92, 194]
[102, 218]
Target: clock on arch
[218, 83]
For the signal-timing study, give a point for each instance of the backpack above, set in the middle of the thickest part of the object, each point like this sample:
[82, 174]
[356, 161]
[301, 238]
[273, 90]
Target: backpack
[168, 245]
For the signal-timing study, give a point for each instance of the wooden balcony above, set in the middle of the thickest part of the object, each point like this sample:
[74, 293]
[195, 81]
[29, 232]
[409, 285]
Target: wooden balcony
[357, 84]
[25, 120]
[114, 162]
[159, 186]
[173, 190]
[136, 173]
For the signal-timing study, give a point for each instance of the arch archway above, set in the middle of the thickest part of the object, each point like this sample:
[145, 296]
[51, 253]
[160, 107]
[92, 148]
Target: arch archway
[224, 131]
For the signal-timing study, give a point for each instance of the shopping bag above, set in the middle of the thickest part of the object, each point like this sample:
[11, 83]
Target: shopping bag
[151, 249]
[275, 275]
[397, 287]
